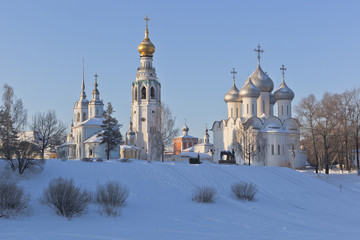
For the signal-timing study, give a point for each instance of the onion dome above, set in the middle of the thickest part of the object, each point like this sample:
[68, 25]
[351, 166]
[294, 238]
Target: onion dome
[233, 95]
[284, 92]
[185, 128]
[272, 99]
[261, 80]
[146, 48]
[130, 132]
[249, 90]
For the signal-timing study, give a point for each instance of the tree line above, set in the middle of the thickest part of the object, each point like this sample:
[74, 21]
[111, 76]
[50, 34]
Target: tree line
[19, 152]
[330, 129]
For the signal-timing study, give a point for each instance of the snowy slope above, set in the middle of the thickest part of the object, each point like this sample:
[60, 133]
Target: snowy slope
[290, 205]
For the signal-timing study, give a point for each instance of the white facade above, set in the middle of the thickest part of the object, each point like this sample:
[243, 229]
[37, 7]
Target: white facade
[281, 133]
[83, 141]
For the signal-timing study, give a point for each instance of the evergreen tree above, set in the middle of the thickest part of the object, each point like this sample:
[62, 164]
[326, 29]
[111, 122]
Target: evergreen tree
[111, 135]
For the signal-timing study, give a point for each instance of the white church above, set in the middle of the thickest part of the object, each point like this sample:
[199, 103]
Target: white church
[83, 141]
[254, 103]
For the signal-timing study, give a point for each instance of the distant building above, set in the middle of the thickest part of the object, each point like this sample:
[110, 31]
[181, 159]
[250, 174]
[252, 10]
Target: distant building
[184, 142]
[34, 137]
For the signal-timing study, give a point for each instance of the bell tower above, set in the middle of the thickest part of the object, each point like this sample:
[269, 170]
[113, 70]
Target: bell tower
[146, 98]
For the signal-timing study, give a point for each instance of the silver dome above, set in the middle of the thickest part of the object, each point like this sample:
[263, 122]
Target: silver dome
[284, 92]
[249, 90]
[261, 80]
[232, 95]
[185, 128]
[272, 99]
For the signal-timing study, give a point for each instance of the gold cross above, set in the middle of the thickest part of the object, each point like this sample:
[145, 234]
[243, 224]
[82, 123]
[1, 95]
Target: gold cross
[147, 19]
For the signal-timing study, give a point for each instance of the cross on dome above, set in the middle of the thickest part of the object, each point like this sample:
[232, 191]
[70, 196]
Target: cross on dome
[233, 72]
[283, 69]
[147, 19]
[259, 51]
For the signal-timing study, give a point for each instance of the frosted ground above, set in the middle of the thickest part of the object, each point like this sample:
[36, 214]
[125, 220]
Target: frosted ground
[290, 204]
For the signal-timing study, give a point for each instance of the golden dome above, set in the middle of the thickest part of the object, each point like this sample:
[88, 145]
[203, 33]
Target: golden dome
[146, 48]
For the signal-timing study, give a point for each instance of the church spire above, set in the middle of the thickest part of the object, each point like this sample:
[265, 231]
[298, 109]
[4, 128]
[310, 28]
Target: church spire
[95, 92]
[83, 94]
[146, 48]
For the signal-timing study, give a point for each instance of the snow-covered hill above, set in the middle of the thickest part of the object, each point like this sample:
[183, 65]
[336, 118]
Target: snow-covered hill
[290, 204]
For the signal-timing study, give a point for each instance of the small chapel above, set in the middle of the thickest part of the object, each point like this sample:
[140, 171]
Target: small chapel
[254, 105]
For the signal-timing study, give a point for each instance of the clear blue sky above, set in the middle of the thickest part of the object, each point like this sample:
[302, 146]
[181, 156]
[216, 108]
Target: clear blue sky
[197, 43]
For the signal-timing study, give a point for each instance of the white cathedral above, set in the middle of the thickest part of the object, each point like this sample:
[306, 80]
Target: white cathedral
[83, 141]
[254, 103]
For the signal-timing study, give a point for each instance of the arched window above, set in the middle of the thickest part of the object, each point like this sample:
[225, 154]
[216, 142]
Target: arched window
[152, 93]
[135, 94]
[237, 112]
[263, 106]
[287, 109]
[90, 152]
[231, 112]
[279, 149]
[78, 117]
[252, 109]
[84, 116]
[143, 92]
[272, 149]
[282, 110]
[247, 108]
[97, 112]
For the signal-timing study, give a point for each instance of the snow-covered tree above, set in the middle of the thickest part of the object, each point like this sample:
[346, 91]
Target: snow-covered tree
[111, 135]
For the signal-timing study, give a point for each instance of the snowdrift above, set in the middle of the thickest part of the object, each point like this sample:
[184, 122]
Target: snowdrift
[289, 205]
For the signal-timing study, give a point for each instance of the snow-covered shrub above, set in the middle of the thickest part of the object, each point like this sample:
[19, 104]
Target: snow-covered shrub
[65, 198]
[13, 200]
[204, 194]
[244, 191]
[111, 197]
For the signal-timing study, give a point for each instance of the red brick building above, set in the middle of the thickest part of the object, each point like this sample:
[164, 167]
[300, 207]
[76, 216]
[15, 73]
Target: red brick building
[185, 141]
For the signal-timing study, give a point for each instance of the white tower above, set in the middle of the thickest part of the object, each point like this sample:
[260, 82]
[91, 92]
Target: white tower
[146, 98]
[284, 95]
[233, 100]
[81, 106]
[96, 106]
[249, 94]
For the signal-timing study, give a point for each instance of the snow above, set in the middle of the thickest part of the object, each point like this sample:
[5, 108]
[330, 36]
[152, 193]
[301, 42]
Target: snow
[94, 139]
[289, 205]
[93, 122]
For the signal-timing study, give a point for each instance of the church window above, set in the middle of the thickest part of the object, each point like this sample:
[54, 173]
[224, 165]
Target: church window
[152, 93]
[84, 116]
[135, 94]
[282, 110]
[143, 92]
[90, 152]
[78, 117]
[252, 109]
[272, 149]
[283, 147]
[237, 112]
[278, 149]
[231, 112]
[263, 106]
[287, 110]
[247, 108]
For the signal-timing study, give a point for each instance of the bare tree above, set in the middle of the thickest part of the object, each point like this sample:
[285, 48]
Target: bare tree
[25, 154]
[250, 142]
[48, 129]
[355, 123]
[13, 117]
[163, 137]
[327, 123]
[306, 111]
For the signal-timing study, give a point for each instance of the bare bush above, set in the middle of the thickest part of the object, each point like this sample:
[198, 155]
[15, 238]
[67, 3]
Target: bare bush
[244, 191]
[65, 198]
[204, 194]
[111, 197]
[13, 200]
